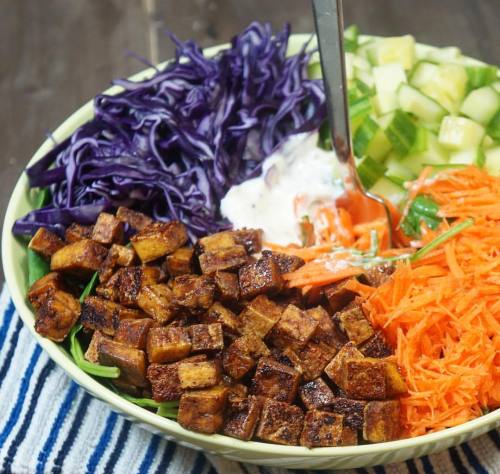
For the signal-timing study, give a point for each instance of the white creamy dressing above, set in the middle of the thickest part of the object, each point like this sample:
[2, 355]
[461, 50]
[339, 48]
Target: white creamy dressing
[295, 179]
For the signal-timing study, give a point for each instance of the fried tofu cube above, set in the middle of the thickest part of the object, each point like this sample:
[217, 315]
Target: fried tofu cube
[159, 239]
[180, 262]
[259, 316]
[376, 347]
[92, 352]
[364, 379]
[118, 255]
[351, 410]
[206, 337]
[108, 229]
[193, 292]
[127, 388]
[137, 220]
[324, 429]
[336, 368]
[280, 423]
[76, 232]
[56, 315]
[228, 259]
[378, 275]
[197, 375]
[242, 355]
[130, 361]
[275, 380]
[203, 410]
[236, 391]
[45, 242]
[43, 287]
[338, 296]
[217, 241]
[83, 257]
[355, 325]
[224, 316]
[381, 421]
[168, 344]
[394, 382]
[227, 287]
[130, 281]
[158, 302]
[328, 334]
[100, 314]
[259, 278]
[242, 417]
[133, 332]
[311, 360]
[286, 263]
[251, 239]
[294, 329]
[316, 394]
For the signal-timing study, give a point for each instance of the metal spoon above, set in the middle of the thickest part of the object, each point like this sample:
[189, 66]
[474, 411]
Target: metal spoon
[330, 30]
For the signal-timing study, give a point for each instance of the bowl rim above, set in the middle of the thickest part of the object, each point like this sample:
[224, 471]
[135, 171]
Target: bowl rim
[166, 426]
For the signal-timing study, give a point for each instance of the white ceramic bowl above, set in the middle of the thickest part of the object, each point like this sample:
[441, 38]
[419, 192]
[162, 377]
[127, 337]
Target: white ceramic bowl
[14, 264]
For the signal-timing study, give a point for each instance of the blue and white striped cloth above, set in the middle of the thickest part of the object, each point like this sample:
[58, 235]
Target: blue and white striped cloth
[48, 424]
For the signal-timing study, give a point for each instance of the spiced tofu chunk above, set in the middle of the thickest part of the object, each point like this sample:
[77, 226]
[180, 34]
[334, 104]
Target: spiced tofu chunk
[242, 417]
[381, 421]
[378, 274]
[118, 256]
[316, 394]
[294, 328]
[327, 332]
[137, 220]
[82, 258]
[193, 292]
[275, 380]
[100, 314]
[336, 368]
[227, 259]
[45, 242]
[43, 287]
[206, 337]
[242, 355]
[352, 411]
[203, 410]
[217, 241]
[394, 382]
[224, 316]
[168, 344]
[92, 352]
[251, 239]
[323, 429]
[133, 332]
[355, 324]
[76, 232]
[286, 263]
[158, 302]
[280, 423]
[180, 262]
[259, 278]
[159, 239]
[376, 347]
[108, 229]
[365, 379]
[338, 296]
[227, 287]
[131, 280]
[196, 375]
[56, 315]
[259, 316]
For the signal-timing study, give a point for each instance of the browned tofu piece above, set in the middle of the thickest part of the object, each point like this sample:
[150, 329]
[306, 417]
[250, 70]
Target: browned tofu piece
[127, 388]
[381, 421]
[275, 380]
[336, 368]
[92, 352]
[352, 411]
[259, 316]
[203, 410]
[168, 344]
[82, 258]
[294, 329]
[338, 296]
[323, 429]
[394, 382]
[316, 394]
[158, 302]
[130, 361]
[128, 282]
[118, 256]
[133, 332]
[137, 220]
[259, 278]
[242, 417]
[193, 292]
[236, 391]
[328, 332]
[108, 229]
[56, 315]
[242, 355]
[311, 360]
[43, 287]
[228, 259]
[227, 288]
[196, 375]
[355, 325]
[206, 337]
[217, 241]
[364, 379]
[251, 239]
[45, 242]
[378, 275]
[376, 347]
[180, 262]
[76, 232]
[159, 239]
[100, 314]
[280, 423]
[286, 263]
[224, 316]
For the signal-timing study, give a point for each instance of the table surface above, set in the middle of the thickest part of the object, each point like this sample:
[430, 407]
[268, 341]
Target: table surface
[57, 54]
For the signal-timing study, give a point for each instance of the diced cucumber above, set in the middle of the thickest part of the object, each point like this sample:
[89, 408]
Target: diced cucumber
[492, 164]
[433, 154]
[388, 189]
[480, 76]
[363, 50]
[359, 108]
[450, 54]
[387, 80]
[366, 77]
[398, 49]
[481, 104]
[496, 86]
[459, 133]
[473, 156]
[488, 142]
[413, 101]
[423, 73]
[314, 70]
[361, 64]
[494, 126]
[351, 37]
[400, 130]
[370, 140]
[370, 171]
[397, 171]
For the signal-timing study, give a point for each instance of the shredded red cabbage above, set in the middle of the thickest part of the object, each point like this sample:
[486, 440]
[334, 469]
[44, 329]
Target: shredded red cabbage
[172, 145]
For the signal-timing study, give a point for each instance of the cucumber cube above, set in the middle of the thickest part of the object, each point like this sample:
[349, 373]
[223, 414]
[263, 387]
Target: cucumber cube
[415, 102]
[370, 171]
[397, 171]
[433, 154]
[388, 189]
[480, 76]
[401, 131]
[398, 49]
[387, 80]
[481, 104]
[459, 133]
[492, 163]
[473, 156]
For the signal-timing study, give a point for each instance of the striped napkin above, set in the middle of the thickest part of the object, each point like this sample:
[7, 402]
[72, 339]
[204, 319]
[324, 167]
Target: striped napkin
[48, 424]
